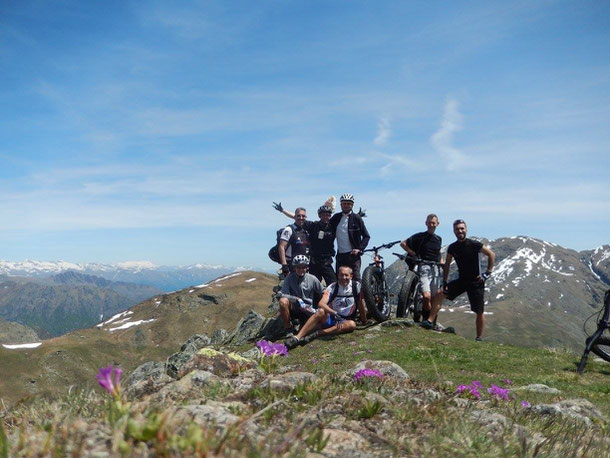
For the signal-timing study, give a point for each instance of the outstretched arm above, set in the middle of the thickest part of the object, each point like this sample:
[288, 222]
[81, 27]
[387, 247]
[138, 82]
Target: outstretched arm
[278, 207]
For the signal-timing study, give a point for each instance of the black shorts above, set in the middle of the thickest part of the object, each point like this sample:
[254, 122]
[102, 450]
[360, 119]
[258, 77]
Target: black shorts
[474, 289]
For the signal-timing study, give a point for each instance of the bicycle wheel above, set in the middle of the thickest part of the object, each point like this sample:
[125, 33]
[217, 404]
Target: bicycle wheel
[601, 348]
[417, 303]
[406, 291]
[376, 294]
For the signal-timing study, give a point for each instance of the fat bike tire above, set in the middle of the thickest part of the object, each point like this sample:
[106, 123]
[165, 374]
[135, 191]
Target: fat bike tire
[376, 294]
[409, 284]
[417, 303]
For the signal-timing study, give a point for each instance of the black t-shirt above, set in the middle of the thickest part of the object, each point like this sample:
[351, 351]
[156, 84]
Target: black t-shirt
[426, 246]
[322, 240]
[466, 255]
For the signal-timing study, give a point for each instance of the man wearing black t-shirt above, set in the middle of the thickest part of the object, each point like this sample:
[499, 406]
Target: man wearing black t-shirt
[470, 280]
[427, 246]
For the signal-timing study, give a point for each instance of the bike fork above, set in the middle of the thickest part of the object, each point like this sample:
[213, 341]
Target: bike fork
[589, 344]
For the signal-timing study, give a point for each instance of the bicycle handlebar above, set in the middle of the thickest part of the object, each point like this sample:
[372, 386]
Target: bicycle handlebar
[385, 245]
[404, 257]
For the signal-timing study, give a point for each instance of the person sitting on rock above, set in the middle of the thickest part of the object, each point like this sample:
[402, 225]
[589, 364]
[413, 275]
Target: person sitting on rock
[337, 310]
[301, 293]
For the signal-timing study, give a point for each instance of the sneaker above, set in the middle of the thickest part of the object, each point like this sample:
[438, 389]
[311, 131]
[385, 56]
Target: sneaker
[291, 342]
[479, 339]
[308, 338]
[437, 328]
[427, 324]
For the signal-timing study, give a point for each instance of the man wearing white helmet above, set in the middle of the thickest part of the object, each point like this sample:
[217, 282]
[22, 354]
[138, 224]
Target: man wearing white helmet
[351, 234]
[301, 293]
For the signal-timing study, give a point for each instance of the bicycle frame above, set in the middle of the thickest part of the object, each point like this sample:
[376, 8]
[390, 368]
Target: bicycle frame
[602, 325]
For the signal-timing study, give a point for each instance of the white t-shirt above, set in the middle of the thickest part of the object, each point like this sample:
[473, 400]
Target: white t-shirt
[286, 234]
[343, 303]
[343, 244]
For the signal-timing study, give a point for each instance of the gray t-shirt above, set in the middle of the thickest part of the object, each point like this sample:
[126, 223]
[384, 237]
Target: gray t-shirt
[307, 288]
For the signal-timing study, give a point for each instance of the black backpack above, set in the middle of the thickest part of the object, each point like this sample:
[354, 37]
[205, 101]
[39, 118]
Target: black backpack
[274, 253]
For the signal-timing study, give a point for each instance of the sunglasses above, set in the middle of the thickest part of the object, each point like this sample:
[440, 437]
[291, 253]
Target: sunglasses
[459, 221]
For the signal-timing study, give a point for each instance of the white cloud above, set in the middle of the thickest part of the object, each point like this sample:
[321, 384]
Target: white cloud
[383, 132]
[442, 140]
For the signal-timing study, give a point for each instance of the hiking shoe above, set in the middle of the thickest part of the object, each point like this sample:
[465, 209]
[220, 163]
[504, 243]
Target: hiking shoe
[291, 342]
[478, 339]
[308, 338]
[427, 324]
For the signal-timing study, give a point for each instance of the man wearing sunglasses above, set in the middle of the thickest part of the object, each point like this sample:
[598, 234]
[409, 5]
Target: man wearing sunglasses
[471, 279]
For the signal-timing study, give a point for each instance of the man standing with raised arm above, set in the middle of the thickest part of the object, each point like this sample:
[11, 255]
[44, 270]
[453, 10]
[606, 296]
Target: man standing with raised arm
[294, 240]
[471, 280]
[427, 246]
[351, 234]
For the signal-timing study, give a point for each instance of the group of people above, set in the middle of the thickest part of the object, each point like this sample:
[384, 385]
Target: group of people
[306, 251]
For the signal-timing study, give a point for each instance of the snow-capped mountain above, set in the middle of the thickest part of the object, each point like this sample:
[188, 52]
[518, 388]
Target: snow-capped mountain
[539, 294]
[167, 278]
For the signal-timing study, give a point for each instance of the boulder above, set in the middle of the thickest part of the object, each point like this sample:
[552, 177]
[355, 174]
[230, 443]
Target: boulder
[247, 329]
[289, 381]
[387, 369]
[218, 363]
[147, 378]
[219, 336]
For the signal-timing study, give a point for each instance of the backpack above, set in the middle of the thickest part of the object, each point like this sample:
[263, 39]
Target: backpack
[355, 293]
[274, 253]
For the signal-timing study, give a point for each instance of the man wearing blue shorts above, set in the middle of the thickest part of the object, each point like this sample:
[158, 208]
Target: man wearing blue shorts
[337, 310]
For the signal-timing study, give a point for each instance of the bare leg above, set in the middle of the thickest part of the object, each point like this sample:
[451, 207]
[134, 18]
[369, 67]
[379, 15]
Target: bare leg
[343, 327]
[285, 312]
[436, 301]
[427, 301]
[480, 324]
[312, 323]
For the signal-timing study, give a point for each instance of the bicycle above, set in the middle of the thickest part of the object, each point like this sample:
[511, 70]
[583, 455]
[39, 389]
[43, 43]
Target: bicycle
[410, 298]
[599, 342]
[374, 285]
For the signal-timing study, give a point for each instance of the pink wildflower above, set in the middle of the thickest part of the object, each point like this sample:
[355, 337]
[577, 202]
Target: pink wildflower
[498, 393]
[525, 404]
[104, 378]
[272, 349]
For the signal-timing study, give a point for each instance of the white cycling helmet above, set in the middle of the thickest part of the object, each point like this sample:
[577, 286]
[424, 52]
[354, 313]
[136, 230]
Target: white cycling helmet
[300, 260]
[347, 197]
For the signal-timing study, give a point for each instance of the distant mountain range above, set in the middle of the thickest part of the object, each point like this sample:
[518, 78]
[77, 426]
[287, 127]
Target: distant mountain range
[166, 278]
[539, 295]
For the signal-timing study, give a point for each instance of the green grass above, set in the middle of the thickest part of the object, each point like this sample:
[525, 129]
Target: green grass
[437, 358]
[393, 417]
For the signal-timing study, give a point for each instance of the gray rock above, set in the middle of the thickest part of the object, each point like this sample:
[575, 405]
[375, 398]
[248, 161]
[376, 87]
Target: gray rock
[387, 368]
[248, 328]
[345, 443]
[204, 378]
[195, 342]
[176, 361]
[248, 379]
[537, 388]
[272, 329]
[578, 409]
[213, 415]
[289, 381]
[253, 353]
[219, 337]
[147, 378]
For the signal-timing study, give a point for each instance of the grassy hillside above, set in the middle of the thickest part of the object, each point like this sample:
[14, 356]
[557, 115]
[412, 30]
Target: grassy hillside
[168, 321]
[334, 415]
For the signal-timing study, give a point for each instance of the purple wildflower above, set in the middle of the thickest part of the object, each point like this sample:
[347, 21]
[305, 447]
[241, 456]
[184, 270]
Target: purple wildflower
[477, 384]
[525, 404]
[272, 349]
[508, 381]
[472, 389]
[498, 393]
[367, 373]
[104, 378]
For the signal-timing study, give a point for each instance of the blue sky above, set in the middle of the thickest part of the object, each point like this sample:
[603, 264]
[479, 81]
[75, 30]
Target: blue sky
[163, 131]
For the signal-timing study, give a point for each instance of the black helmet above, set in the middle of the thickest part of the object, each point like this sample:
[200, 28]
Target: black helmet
[325, 209]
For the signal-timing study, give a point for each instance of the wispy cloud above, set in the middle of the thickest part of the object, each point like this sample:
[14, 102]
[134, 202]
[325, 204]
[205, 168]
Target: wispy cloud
[383, 132]
[442, 140]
